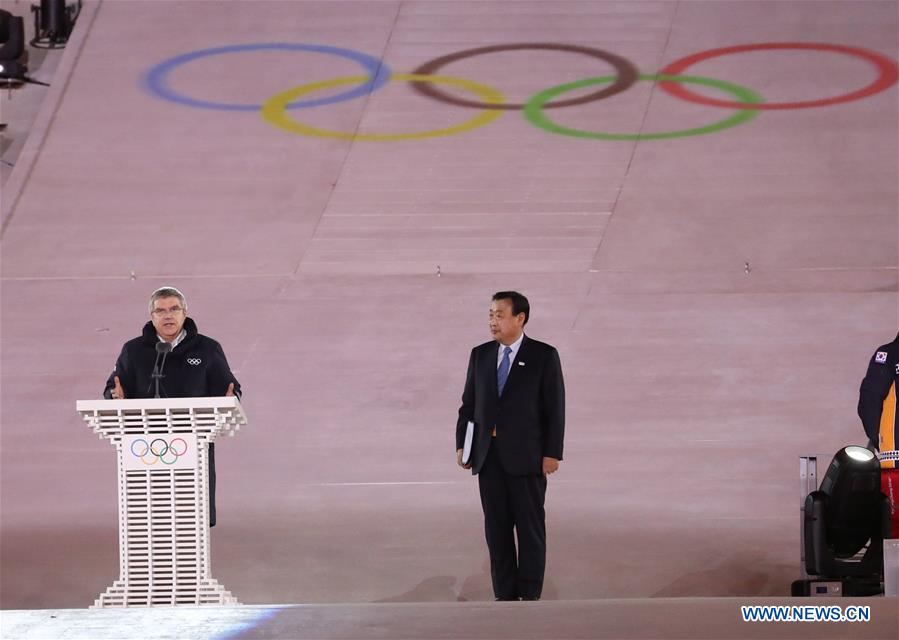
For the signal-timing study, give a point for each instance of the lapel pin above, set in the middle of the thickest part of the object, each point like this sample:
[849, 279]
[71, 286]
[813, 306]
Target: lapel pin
[520, 363]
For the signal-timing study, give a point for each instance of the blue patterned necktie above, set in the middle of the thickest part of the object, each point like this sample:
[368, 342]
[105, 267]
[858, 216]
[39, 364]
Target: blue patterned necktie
[502, 374]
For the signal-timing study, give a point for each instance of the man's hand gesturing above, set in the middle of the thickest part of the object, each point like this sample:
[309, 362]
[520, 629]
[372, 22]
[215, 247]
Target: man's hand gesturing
[117, 392]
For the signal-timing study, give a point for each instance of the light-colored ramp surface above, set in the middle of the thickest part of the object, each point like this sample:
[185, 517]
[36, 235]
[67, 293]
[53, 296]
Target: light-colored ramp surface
[619, 619]
[714, 296]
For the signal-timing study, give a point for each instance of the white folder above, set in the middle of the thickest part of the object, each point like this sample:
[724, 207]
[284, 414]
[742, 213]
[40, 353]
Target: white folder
[469, 437]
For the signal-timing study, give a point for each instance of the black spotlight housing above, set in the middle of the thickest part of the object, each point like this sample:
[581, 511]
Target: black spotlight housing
[53, 18]
[12, 36]
[853, 514]
[13, 72]
[844, 524]
[53, 23]
[12, 48]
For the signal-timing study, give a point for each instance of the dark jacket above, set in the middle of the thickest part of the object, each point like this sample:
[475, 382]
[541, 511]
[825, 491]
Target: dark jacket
[877, 397]
[530, 415]
[196, 368]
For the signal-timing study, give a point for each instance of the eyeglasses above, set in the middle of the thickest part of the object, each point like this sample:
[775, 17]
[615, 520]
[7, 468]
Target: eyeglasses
[162, 312]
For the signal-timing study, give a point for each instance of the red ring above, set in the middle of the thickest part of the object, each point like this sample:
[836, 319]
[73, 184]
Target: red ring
[172, 447]
[886, 67]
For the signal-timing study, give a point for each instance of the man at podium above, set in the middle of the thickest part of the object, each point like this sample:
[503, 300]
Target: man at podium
[187, 364]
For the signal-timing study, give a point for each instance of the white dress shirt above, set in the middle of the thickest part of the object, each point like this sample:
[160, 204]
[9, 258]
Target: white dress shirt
[177, 340]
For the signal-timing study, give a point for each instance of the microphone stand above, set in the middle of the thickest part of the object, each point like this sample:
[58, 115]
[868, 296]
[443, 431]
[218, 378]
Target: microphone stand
[162, 349]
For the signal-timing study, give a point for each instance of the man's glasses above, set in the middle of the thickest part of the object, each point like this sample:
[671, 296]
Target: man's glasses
[164, 312]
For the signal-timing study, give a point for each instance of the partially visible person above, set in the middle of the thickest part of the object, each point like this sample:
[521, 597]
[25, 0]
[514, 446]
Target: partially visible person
[877, 397]
[195, 367]
[877, 409]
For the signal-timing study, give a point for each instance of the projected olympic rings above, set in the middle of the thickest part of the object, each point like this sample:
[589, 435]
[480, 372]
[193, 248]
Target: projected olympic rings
[158, 450]
[534, 109]
[887, 73]
[157, 78]
[273, 110]
[625, 74]
[491, 103]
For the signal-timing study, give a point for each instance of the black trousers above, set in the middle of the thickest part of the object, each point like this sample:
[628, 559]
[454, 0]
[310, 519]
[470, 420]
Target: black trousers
[514, 502]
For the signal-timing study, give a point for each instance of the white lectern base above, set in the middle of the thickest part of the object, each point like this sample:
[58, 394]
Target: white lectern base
[162, 447]
[208, 591]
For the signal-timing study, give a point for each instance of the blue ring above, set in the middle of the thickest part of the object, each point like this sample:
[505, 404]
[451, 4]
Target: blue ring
[133, 442]
[155, 79]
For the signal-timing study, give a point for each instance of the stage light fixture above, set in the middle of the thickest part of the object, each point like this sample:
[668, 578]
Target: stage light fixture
[12, 71]
[53, 23]
[12, 48]
[859, 453]
[844, 525]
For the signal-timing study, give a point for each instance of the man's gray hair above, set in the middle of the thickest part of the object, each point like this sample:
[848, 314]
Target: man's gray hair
[167, 292]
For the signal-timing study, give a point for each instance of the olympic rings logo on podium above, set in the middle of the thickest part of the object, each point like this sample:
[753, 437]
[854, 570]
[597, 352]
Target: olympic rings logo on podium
[491, 103]
[159, 450]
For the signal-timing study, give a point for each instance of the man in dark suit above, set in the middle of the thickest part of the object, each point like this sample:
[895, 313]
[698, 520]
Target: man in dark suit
[515, 396]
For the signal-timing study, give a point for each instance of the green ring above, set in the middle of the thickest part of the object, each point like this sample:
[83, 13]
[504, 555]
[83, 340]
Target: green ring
[533, 110]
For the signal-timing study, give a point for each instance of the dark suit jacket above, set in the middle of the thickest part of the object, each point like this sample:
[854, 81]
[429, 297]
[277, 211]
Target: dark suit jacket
[530, 415]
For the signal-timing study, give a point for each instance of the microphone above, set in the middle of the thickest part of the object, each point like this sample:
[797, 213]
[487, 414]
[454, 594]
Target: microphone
[162, 349]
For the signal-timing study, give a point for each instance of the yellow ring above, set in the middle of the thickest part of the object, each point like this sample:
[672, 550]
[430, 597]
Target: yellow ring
[274, 111]
[155, 460]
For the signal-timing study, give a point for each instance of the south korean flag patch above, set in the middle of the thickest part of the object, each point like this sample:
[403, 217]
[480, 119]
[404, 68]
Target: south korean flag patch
[880, 357]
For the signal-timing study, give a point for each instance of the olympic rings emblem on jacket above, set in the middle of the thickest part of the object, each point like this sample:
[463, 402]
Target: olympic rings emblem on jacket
[159, 450]
[491, 102]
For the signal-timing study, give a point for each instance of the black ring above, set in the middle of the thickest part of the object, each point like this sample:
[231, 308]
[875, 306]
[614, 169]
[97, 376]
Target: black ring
[625, 71]
[164, 451]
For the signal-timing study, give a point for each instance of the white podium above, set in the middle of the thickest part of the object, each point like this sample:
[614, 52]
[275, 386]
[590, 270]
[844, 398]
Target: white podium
[163, 459]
